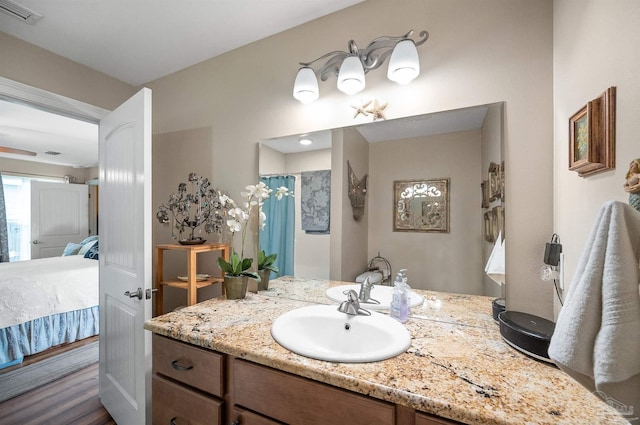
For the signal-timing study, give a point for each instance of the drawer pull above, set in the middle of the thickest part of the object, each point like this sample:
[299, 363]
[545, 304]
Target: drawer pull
[179, 367]
[173, 421]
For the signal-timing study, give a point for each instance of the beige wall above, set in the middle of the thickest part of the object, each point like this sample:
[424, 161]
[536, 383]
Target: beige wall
[354, 235]
[175, 155]
[8, 165]
[478, 53]
[271, 161]
[339, 202]
[450, 262]
[595, 47]
[31, 65]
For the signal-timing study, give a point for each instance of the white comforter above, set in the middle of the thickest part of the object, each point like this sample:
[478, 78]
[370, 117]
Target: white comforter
[39, 288]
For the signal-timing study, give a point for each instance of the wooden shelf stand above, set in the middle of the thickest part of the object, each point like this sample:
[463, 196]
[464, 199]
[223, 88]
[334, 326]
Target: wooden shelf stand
[192, 284]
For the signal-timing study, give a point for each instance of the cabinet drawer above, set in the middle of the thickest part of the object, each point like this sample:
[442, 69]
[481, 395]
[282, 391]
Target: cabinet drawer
[244, 417]
[188, 364]
[303, 400]
[424, 419]
[173, 403]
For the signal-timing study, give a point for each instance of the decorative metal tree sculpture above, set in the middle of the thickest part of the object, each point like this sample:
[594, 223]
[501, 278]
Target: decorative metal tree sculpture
[187, 210]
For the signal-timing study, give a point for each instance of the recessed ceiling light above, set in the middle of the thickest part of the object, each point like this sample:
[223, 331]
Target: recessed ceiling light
[305, 141]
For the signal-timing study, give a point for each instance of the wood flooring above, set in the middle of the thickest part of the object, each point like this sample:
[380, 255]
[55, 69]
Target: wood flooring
[72, 400]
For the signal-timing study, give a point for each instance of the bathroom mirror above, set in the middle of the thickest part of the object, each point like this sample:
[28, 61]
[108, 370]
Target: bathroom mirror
[460, 146]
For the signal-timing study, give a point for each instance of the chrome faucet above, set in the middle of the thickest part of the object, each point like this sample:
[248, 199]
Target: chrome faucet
[352, 306]
[365, 292]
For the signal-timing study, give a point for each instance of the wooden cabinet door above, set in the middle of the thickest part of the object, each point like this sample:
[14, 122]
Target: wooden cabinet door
[425, 419]
[296, 400]
[244, 417]
[173, 403]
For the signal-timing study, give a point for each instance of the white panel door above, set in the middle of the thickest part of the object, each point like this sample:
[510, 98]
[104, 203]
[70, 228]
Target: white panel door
[125, 260]
[59, 215]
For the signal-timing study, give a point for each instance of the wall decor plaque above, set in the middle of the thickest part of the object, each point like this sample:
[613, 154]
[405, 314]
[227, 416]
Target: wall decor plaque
[421, 205]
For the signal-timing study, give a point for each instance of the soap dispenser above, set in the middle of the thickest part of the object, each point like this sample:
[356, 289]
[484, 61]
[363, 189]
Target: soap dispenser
[400, 298]
[405, 308]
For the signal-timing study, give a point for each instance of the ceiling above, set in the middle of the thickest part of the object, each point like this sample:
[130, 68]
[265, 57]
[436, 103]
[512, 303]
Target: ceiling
[40, 132]
[129, 40]
[137, 41]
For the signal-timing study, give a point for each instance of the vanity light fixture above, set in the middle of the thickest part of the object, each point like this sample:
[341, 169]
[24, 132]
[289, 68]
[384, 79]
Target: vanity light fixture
[350, 67]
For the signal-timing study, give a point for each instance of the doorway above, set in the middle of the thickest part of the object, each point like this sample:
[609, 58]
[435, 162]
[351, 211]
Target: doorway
[68, 128]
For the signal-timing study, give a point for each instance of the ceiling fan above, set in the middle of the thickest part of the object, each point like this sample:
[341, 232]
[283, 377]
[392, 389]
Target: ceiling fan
[5, 149]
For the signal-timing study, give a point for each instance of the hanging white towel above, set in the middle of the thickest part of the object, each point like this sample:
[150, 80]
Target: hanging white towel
[495, 265]
[597, 336]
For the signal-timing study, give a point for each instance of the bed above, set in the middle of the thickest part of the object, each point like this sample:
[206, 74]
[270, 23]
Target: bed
[46, 302]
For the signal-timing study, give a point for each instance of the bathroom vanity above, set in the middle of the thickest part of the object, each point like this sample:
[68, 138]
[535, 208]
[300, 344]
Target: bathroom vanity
[216, 362]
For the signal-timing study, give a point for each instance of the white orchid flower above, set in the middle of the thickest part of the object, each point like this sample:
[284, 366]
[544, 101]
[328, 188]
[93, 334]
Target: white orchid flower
[263, 220]
[226, 200]
[239, 214]
[234, 225]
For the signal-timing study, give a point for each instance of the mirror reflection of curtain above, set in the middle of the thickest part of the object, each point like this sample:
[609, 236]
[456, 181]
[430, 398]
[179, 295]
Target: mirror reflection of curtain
[277, 237]
[4, 233]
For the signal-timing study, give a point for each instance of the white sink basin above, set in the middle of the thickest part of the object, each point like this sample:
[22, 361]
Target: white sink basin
[322, 332]
[380, 293]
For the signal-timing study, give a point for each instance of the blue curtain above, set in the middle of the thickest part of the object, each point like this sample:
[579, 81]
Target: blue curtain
[277, 237]
[4, 233]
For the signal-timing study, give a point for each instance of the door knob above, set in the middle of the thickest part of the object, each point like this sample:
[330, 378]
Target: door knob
[35, 242]
[134, 294]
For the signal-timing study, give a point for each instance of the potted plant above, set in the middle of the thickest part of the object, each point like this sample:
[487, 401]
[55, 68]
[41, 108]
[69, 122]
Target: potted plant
[237, 268]
[236, 275]
[265, 267]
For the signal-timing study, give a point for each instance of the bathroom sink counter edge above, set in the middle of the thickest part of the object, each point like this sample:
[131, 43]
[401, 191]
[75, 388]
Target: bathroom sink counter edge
[458, 367]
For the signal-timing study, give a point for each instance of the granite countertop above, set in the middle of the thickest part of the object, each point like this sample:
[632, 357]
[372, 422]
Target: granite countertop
[458, 367]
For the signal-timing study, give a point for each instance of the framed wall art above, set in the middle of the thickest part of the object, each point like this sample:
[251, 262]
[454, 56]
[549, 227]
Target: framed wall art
[493, 223]
[494, 182]
[592, 135]
[421, 205]
[502, 181]
[489, 226]
[484, 187]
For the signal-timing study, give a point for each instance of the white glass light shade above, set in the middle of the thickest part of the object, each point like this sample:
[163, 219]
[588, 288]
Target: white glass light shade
[351, 75]
[404, 64]
[305, 88]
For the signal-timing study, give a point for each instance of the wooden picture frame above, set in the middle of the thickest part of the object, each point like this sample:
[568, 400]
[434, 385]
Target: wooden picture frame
[494, 182]
[489, 225]
[421, 205]
[498, 213]
[592, 135]
[502, 181]
[493, 224]
[484, 187]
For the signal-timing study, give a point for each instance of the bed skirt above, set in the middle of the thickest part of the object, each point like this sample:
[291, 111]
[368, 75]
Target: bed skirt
[43, 333]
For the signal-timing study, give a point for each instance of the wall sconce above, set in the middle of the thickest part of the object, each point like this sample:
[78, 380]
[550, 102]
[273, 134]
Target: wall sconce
[350, 67]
